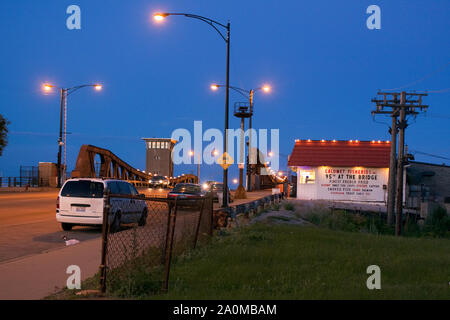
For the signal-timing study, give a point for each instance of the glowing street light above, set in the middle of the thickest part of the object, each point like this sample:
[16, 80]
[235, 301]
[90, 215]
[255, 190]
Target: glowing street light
[191, 153]
[248, 94]
[218, 27]
[159, 16]
[64, 93]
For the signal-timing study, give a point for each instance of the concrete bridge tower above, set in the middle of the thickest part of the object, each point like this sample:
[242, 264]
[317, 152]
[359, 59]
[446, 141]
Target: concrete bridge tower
[159, 156]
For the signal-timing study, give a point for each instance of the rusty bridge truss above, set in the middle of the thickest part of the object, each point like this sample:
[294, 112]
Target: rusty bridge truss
[111, 166]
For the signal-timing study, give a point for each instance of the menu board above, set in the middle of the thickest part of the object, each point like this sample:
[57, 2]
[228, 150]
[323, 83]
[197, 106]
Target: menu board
[365, 184]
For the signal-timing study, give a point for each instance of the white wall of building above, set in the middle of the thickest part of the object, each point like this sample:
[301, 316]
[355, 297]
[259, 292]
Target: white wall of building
[342, 183]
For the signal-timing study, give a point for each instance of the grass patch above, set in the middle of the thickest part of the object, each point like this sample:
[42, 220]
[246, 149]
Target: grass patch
[288, 206]
[92, 283]
[291, 262]
[280, 218]
[437, 225]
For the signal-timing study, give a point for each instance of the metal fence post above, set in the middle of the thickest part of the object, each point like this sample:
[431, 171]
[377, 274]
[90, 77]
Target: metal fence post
[166, 243]
[197, 230]
[105, 230]
[211, 219]
[169, 247]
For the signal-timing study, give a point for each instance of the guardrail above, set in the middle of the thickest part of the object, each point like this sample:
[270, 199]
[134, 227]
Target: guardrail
[18, 182]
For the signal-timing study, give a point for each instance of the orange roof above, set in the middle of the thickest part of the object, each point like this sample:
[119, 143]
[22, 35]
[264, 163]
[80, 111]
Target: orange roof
[340, 153]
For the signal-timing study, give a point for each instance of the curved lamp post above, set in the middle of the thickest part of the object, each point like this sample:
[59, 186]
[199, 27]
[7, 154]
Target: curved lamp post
[216, 25]
[248, 94]
[64, 93]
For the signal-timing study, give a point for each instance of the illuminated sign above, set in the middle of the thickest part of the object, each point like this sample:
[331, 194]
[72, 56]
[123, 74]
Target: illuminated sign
[358, 183]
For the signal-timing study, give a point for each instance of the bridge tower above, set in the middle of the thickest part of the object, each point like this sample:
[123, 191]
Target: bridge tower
[159, 156]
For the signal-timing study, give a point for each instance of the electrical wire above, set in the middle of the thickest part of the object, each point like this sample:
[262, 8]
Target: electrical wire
[440, 116]
[438, 91]
[422, 79]
[429, 154]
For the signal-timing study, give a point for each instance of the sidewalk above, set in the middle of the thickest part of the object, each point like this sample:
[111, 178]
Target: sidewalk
[39, 275]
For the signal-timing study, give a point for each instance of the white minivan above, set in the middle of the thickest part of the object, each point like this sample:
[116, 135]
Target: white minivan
[80, 203]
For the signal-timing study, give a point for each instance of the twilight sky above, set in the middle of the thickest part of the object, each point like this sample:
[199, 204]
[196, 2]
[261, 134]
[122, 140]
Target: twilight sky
[322, 61]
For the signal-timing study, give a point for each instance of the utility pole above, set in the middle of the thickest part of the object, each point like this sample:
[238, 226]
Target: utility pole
[60, 141]
[249, 152]
[402, 124]
[225, 142]
[392, 170]
[409, 103]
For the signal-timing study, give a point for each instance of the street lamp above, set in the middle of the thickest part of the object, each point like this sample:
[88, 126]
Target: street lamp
[64, 93]
[248, 94]
[191, 153]
[216, 25]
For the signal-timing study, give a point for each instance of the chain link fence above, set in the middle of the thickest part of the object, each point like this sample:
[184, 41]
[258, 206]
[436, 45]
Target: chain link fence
[142, 234]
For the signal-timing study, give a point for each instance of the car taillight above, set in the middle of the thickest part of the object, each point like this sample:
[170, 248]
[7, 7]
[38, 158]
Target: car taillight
[57, 203]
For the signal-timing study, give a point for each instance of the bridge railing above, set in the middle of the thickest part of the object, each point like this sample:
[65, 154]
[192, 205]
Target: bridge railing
[6, 182]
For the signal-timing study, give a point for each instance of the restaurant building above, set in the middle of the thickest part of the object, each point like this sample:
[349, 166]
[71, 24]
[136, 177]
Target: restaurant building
[349, 170]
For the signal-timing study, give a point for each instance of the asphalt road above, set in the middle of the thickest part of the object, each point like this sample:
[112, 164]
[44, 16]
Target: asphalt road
[28, 224]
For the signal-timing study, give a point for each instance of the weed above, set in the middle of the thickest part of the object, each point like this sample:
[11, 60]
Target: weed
[288, 206]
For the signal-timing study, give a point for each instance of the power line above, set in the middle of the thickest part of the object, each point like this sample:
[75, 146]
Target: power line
[422, 79]
[441, 116]
[429, 154]
[438, 91]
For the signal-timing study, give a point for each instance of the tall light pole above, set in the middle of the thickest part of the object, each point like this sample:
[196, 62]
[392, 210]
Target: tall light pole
[64, 93]
[214, 24]
[192, 153]
[248, 94]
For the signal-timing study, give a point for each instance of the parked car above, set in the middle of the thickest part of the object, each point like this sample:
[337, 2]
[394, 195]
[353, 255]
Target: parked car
[186, 191]
[159, 181]
[81, 202]
[216, 188]
[207, 185]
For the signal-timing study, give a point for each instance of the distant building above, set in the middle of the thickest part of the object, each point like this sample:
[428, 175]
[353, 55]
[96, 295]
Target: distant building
[427, 182]
[159, 156]
[48, 174]
[341, 170]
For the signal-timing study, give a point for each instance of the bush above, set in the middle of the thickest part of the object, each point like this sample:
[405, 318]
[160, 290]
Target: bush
[288, 206]
[437, 224]
[349, 221]
[376, 225]
[342, 220]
